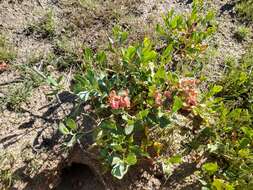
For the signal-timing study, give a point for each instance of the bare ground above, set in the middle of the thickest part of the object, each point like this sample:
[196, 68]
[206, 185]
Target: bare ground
[30, 134]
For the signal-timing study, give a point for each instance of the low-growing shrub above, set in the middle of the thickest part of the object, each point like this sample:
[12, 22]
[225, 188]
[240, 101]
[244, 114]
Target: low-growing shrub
[131, 91]
[7, 52]
[185, 37]
[231, 143]
[134, 93]
[242, 33]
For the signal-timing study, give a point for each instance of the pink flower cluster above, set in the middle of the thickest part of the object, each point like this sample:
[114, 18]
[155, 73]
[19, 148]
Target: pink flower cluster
[159, 97]
[187, 90]
[190, 93]
[116, 101]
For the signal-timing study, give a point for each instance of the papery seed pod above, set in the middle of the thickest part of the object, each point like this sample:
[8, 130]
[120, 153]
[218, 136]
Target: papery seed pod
[158, 98]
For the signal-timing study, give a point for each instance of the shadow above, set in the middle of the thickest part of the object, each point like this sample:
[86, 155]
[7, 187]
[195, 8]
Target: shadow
[228, 7]
[9, 137]
[44, 180]
[41, 181]
[64, 97]
[78, 177]
[179, 174]
[17, 80]
[185, 1]
[47, 122]
[46, 143]
[14, 138]
[27, 125]
[66, 175]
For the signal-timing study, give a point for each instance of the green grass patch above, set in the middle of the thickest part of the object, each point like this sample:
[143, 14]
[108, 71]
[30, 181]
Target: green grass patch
[244, 9]
[7, 52]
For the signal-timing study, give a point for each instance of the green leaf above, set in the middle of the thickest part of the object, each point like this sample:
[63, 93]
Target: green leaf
[63, 129]
[229, 187]
[210, 168]
[101, 57]
[216, 89]
[129, 53]
[88, 54]
[177, 105]
[160, 74]
[52, 81]
[147, 44]
[248, 132]
[84, 95]
[108, 124]
[116, 160]
[102, 86]
[177, 159]
[148, 56]
[90, 75]
[116, 146]
[244, 153]
[72, 141]
[244, 142]
[143, 113]
[167, 169]
[119, 170]
[123, 36]
[167, 52]
[71, 124]
[129, 129]
[164, 121]
[210, 15]
[131, 159]
[173, 23]
[218, 184]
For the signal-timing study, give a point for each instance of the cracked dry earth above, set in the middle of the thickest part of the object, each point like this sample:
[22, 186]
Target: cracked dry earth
[29, 137]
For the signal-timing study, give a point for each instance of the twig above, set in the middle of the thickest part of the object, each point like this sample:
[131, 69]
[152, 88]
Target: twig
[38, 1]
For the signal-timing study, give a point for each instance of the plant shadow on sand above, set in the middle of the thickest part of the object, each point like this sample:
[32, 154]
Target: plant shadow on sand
[81, 169]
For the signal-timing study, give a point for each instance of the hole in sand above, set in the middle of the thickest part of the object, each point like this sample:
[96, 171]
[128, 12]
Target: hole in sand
[79, 177]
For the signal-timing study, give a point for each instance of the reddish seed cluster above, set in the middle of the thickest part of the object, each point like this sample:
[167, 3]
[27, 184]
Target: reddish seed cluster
[3, 66]
[190, 93]
[116, 101]
[159, 98]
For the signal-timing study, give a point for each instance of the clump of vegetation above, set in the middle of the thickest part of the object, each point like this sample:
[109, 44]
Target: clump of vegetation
[6, 176]
[186, 36]
[135, 93]
[245, 9]
[7, 52]
[45, 28]
[17, 95]
[242, 33]
[65, 55]
[20, 91]
[232, 134]
[237, 82]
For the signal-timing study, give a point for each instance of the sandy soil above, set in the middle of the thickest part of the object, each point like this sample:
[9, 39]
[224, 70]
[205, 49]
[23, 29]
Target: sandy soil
[30, 134]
